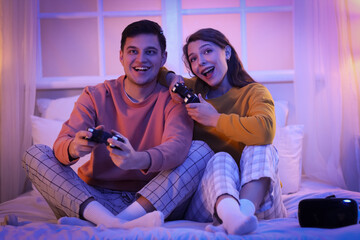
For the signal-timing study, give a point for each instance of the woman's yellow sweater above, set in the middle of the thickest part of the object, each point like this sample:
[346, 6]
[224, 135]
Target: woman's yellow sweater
[247, 118]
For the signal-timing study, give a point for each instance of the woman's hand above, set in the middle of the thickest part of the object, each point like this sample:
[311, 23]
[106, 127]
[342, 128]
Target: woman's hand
[203, 112]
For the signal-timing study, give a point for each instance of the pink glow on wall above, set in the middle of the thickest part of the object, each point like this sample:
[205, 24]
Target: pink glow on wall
[258, 3]
[354, 25]
[189, 4]
[228, 24]
[133, 5]
[113, 28]
[51, 6]
[64, 47]
[269, 41]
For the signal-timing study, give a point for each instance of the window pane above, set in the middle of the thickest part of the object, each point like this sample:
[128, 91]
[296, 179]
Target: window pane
[221, 22]
[113, 27]
[133, 5]
[69, 47]
[260, 3]
[189, 4]
[58, 6]
[270, 41]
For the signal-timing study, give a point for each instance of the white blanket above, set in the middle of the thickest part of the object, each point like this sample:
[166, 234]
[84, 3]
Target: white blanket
[40, 223]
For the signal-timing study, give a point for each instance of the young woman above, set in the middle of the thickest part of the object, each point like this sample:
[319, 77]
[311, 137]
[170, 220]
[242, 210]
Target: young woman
[236, 118]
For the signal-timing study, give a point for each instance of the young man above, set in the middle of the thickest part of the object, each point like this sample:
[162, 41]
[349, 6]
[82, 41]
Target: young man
[124, 181]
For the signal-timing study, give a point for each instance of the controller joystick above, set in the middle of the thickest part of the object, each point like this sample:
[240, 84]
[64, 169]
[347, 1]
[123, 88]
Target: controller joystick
[186, 93]
[100, 136]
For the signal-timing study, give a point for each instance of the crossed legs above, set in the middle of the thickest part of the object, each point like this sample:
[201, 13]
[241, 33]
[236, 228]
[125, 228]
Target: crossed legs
[66, 193]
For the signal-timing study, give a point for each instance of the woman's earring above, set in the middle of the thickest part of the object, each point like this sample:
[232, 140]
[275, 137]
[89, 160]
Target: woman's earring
[227, 55]
[227, 52]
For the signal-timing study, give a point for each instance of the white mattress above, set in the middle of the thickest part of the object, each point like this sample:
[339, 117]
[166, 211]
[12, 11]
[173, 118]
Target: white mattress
[39, 222]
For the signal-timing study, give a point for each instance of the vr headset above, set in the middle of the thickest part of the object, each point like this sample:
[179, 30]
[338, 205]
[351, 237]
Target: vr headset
[329, 212]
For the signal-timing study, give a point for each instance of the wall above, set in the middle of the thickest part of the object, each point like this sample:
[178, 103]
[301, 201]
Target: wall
[79, 40]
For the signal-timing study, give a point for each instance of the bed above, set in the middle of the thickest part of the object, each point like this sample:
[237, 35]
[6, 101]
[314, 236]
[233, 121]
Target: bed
[36, 220]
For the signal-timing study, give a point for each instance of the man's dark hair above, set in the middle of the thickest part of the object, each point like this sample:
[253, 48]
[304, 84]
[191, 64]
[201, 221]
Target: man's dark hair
[144, 27]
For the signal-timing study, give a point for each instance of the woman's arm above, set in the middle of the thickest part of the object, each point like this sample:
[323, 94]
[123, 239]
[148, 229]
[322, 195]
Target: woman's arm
[254, 121]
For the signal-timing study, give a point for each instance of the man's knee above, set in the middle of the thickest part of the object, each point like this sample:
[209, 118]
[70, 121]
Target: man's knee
[199, 153]
[36, 155]
[198, 157]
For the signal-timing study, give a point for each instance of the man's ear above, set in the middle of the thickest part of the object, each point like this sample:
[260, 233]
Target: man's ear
[163, 58]
[121, 57]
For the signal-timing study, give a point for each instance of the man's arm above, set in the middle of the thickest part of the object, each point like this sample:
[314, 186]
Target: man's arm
[258, 126]
[70, 143]
[177, 138]
[166, 77]
[176, 141]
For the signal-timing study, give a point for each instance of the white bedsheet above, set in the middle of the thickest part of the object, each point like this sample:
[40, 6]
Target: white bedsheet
[32, 209]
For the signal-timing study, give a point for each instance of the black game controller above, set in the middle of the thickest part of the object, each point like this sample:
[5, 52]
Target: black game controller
[185, 93]
[100, 136]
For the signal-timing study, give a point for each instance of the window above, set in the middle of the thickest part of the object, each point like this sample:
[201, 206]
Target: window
[79, 40]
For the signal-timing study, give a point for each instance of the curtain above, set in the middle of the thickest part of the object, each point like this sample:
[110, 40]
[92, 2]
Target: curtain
[18, 21]
[348, 18]
[327, 90]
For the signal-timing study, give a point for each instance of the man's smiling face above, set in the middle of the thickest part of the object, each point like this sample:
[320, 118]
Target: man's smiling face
[142, 58]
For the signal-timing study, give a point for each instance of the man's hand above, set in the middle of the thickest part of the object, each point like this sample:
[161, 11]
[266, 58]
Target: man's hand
[80, 146]
[171, 80]
[203, 112]
[127, 158]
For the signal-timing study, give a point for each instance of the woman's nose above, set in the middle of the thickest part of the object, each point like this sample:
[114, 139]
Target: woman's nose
[202, 61]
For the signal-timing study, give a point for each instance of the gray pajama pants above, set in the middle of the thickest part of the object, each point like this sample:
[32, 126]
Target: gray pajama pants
[65, 192]
[222, 177]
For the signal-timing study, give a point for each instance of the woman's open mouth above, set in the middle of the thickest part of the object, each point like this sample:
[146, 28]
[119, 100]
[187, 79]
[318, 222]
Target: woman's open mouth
[208, 71]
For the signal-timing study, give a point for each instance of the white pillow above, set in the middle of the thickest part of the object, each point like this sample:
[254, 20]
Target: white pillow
[45, 131]
[289, 141]
[56, 109]
[281, 113]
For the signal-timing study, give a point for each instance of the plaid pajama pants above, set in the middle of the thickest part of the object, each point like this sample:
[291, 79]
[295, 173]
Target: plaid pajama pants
[222, 177]
[65, 192]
